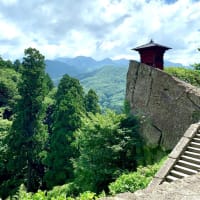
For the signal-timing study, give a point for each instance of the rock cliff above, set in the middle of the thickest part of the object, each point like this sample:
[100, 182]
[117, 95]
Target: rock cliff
[166, 104]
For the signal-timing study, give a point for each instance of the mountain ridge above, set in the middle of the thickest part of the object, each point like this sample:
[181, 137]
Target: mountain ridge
[81, 64]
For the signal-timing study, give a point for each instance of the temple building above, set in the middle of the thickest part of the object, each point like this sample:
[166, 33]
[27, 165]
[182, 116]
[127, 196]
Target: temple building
[152, 54]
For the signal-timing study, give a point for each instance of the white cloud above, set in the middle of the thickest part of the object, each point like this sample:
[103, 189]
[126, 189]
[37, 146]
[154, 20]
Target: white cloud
[99, 28]
[8, 2]
[8, 31]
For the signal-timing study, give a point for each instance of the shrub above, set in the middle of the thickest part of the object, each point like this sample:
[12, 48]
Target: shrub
[187, 75]
[64, 191]
[135, 180]
[57, 193]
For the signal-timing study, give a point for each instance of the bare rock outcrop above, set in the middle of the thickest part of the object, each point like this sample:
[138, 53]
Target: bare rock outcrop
[166, 104]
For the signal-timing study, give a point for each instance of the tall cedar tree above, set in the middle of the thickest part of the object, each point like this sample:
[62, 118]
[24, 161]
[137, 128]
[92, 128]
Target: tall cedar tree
[28, 135]
[92, 102]
[66, 119]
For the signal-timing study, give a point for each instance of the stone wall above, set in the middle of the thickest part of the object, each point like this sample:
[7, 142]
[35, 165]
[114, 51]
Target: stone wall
[166, 104]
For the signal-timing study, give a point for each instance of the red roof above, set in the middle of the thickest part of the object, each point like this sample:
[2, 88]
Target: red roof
[149, 45]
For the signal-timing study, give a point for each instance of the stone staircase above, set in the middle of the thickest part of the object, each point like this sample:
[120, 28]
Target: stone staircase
[183, 161]
[189, 161]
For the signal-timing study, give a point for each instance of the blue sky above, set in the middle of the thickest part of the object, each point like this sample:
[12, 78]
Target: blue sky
[170, 1]
[99, 28]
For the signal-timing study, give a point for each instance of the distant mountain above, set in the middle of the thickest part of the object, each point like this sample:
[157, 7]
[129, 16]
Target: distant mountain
[89, 63]
[82, 64]
[172, 64]
[78, 66]
[57, 69]
[117, 63]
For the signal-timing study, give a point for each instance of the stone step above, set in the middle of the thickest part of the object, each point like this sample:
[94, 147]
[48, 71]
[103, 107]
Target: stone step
[188, 165]
[185, 170]
[178, 174]
[195, 144]
[170, 178]
[196, 139]
[192, 154]
[190, 159]
[197, 135]
[193, 149]
[188, 162]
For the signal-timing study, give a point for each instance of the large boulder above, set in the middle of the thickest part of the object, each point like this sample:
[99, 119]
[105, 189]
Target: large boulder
[166, 105]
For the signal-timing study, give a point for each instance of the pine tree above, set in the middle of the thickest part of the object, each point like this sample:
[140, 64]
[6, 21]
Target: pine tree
[28, 135]
[91, 102]
[66, 119]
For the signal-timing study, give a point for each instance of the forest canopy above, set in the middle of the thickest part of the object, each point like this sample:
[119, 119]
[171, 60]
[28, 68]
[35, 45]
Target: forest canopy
[43, 130]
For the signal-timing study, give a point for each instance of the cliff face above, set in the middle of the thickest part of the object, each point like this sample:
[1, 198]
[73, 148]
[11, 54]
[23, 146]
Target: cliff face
[167, 105]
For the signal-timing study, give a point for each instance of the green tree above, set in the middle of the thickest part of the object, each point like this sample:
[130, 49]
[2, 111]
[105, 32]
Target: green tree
[49, 82]
[49, 104]
[27, 137]
[17, 65]
[8, 87]
[92, 102]
[187, 75]
[107, 145]
[66, 119]
[5, 63]
[196, 66]
[4, 175]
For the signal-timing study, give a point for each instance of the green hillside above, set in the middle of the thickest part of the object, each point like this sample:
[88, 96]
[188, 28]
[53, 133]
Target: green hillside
[109, 83]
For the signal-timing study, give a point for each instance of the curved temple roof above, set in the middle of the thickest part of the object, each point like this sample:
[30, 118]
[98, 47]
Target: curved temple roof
[149, 45]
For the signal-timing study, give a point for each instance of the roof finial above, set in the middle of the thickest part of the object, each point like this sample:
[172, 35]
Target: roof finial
[151, 41]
